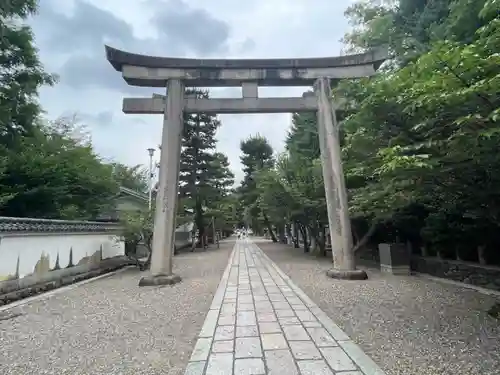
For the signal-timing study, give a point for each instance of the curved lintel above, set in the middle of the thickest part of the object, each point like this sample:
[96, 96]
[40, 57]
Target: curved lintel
[119, 58]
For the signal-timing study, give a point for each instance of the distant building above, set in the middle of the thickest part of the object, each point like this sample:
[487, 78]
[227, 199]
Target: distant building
[127, 200]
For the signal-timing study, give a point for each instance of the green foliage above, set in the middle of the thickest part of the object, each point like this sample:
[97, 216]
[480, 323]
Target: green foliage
[21, 73]
[135, 178]
[205, 177]
[419, 140]
[427, 133]
[256, 156]
[138, 229]
[49, 174]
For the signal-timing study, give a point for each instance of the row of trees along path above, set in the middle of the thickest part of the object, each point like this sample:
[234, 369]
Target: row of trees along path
[419, 146]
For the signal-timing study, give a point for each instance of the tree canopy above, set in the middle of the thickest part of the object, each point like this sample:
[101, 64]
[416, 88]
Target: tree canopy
[418, 139]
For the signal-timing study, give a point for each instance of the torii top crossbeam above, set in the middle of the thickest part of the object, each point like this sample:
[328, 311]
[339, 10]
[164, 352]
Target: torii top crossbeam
[154, 71]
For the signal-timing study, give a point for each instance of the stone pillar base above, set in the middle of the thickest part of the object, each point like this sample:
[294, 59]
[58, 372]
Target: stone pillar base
[155, 280]
[347, 274]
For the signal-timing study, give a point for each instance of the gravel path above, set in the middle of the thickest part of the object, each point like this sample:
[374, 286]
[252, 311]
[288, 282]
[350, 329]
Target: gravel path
[408, 325]
[111, 326]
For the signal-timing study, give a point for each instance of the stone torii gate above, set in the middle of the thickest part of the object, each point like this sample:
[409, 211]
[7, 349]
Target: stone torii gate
[177, 73]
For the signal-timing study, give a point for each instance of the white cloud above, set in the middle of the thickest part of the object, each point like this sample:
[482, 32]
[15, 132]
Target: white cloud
[71, 35]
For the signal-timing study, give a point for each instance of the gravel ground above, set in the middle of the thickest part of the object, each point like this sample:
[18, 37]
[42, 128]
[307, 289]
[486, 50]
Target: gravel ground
[111, 326]
[408, 325]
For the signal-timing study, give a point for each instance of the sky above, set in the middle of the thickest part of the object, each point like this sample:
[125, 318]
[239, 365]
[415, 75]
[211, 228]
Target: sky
[70, 35]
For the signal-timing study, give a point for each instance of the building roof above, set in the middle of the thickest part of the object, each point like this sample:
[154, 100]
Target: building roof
[133, 193]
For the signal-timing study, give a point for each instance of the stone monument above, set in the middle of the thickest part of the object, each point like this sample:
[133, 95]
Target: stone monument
[175, 74]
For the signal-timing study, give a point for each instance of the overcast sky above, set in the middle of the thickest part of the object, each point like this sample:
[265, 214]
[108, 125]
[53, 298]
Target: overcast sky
[71, 34]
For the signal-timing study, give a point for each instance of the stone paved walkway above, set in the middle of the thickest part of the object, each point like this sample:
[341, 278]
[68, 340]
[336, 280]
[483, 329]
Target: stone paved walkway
[261, 323]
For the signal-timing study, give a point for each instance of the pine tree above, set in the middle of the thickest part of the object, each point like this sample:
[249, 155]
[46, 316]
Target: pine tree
[200, 171]
[257, 154]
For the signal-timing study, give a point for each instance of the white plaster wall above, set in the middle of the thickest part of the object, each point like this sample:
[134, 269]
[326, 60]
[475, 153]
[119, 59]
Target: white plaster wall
[29, 248]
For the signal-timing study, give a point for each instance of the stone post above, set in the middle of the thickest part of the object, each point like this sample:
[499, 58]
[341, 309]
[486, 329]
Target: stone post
[166, 199]
[335, 190]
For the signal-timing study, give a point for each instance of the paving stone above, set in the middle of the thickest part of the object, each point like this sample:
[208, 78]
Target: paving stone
[280, 362]
[269, 327]
[246, 307]
[294, 300]
[365, 363]
[305, 350]
[195, 368]
[314, 367]
[281, 305]
[330, 326]
[273, 290]
[295, 333]
[201, 349]
[220, 364]
[230, 295]
[224, 346]
[299, 306]
[224, 333]
[272, 341]
[266, 316]
[305, 315]
[227, 319]
[247, 347]
[246, 318]
[277, 297]
[246, 299]
[287, 320]
[338, 359]
[249, 366]
[263, 306]
[321, 337]
[260, 297]
[314, 324]
[228, 308]
[282, 313]
[247, 331]
[210, 323]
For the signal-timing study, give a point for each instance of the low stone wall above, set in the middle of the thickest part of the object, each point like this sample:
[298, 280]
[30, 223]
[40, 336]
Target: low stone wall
[465, 272]
[469, 273]
[13, 290]
[41, 254]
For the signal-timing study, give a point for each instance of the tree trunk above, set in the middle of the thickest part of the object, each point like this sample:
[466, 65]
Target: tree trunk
[295, 235]
[313, 237]
[364, 240]
[303, 231]
[323, 240]
[199, 223]
[480, 255]
[269, 227]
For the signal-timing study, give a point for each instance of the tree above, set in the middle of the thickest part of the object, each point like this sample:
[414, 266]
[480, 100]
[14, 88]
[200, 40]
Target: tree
[21, 73]
[257, 155]
[293, 191]
[51, 175]
[138, 228]
[429, 147]
[135, 178]
[200, 171]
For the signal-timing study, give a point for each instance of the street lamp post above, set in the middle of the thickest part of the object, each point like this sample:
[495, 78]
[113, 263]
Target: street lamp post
[151, 152]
